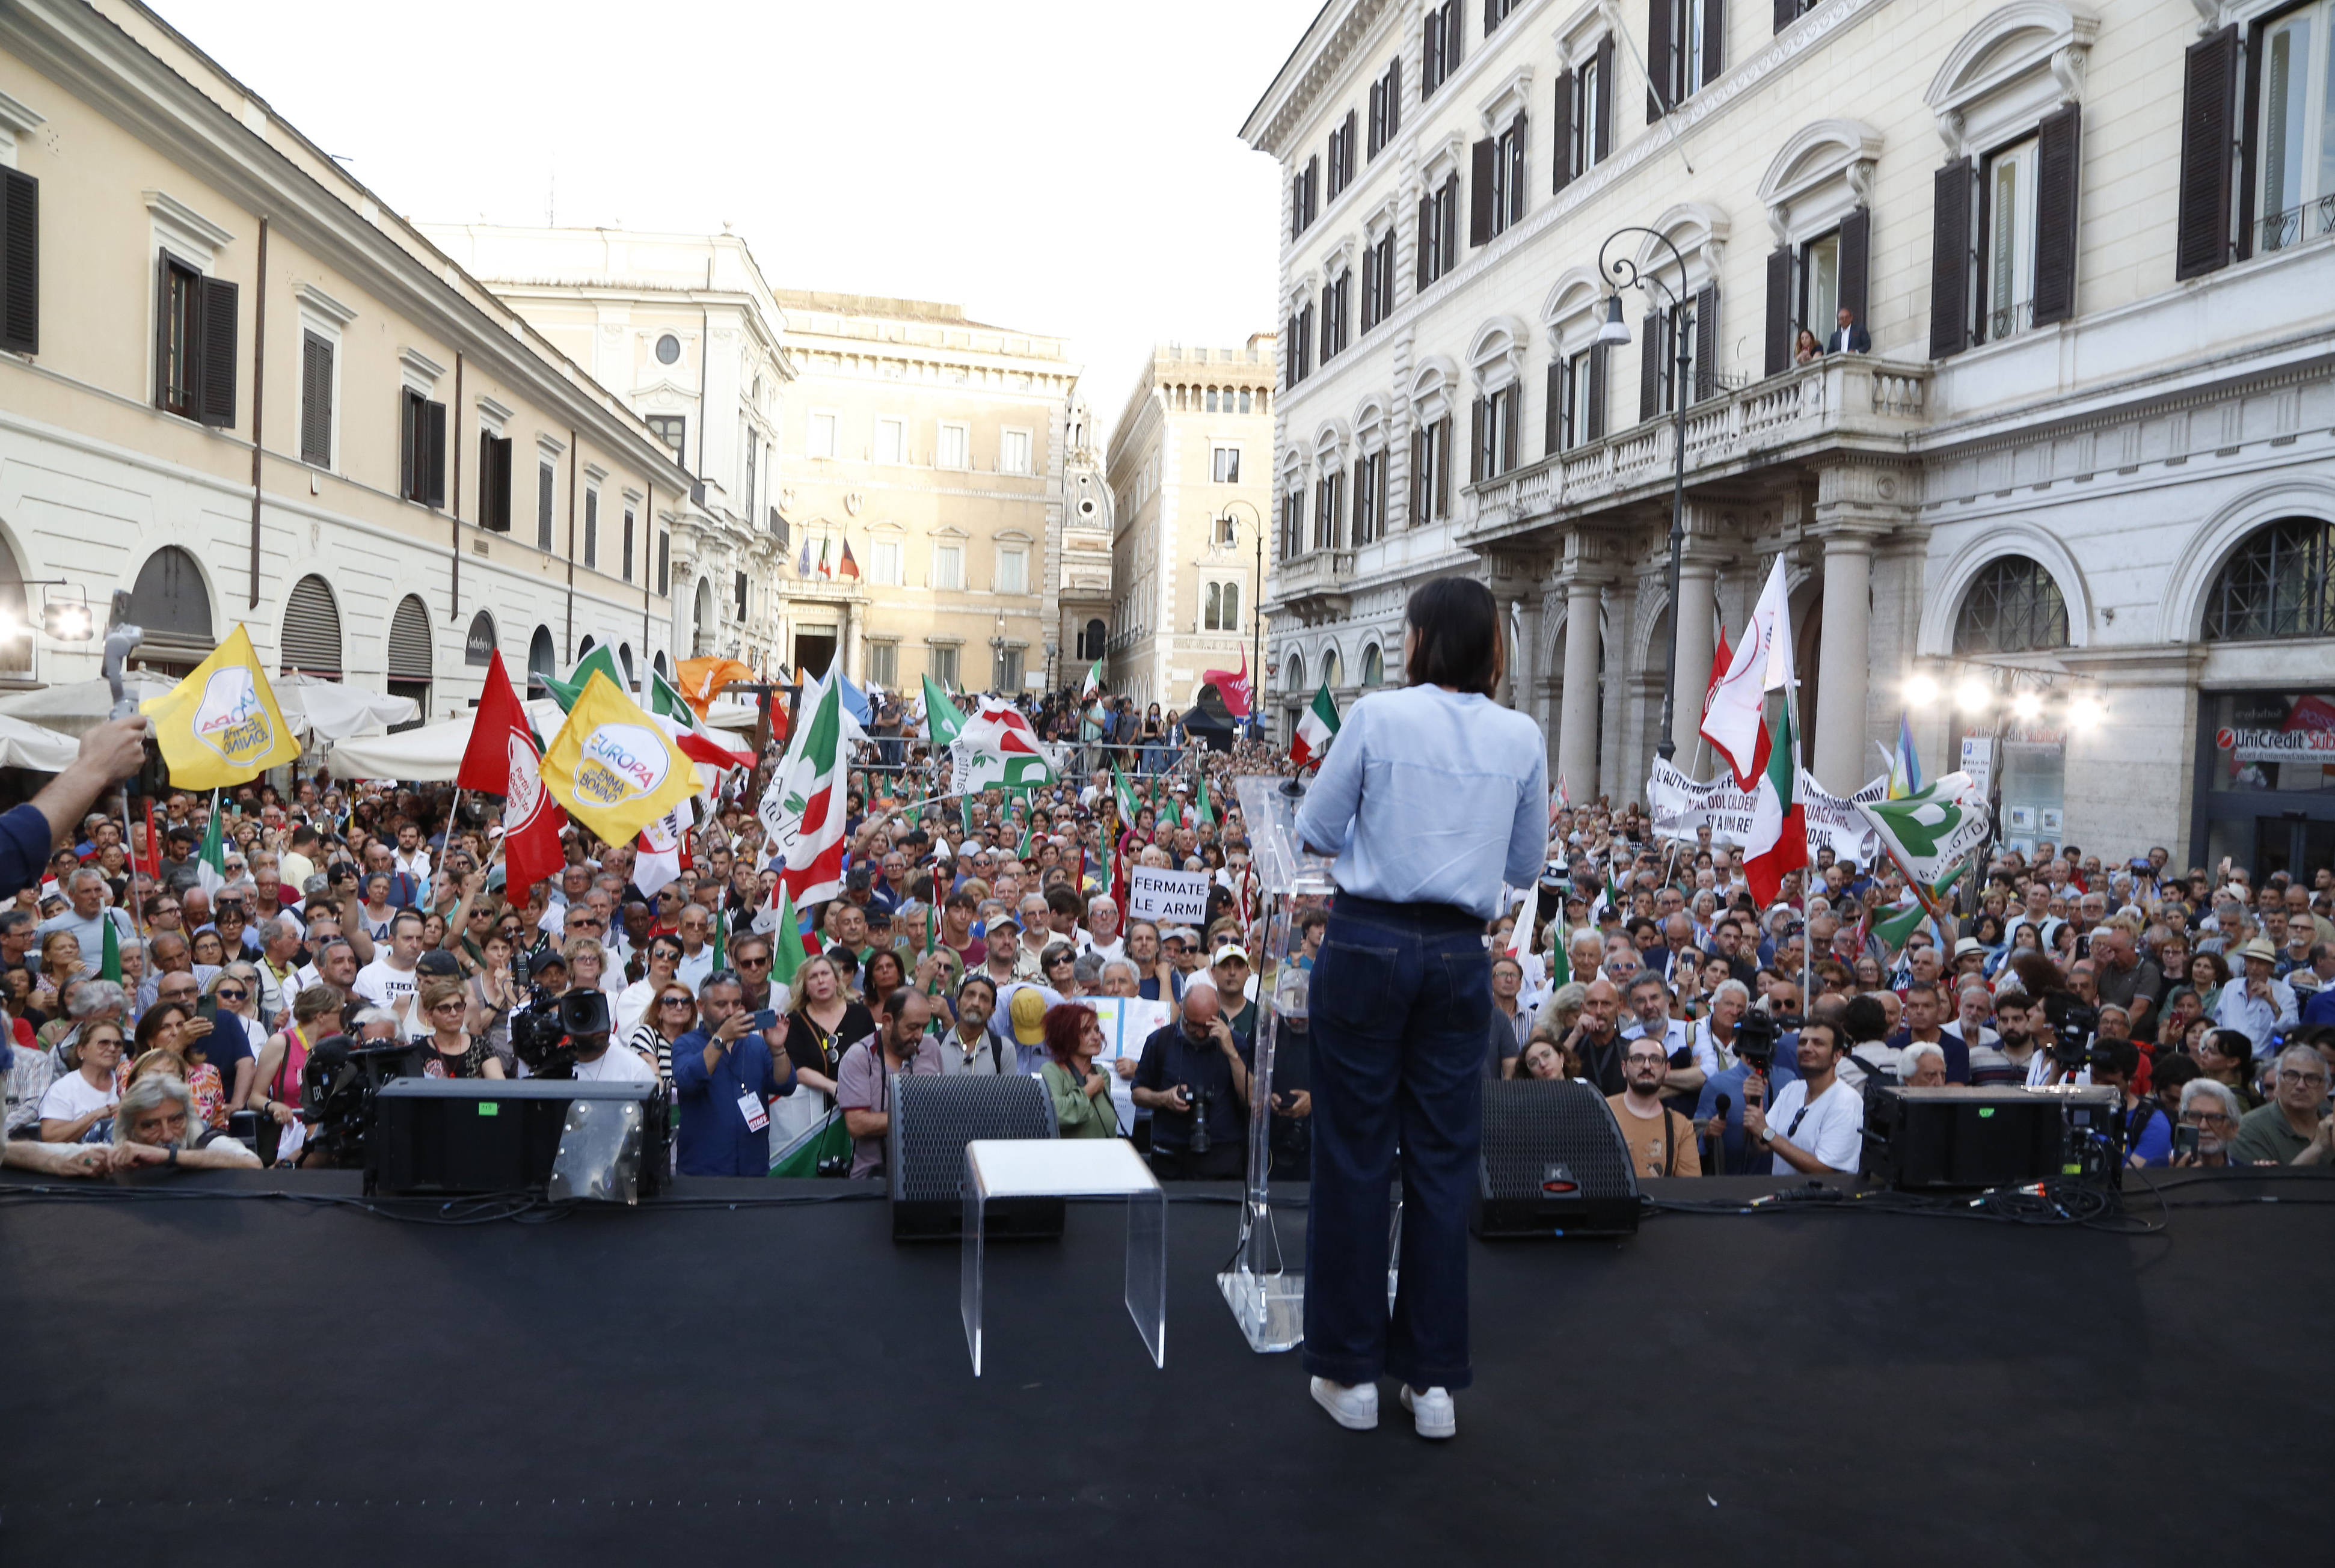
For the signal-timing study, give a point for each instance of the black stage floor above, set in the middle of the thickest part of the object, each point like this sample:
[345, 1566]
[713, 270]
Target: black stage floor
[258, 1381]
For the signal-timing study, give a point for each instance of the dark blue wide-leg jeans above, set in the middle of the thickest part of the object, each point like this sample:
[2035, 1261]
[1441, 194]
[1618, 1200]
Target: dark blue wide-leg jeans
[1400, 1007]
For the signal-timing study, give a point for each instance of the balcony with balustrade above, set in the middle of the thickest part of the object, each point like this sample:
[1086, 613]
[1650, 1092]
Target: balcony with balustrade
[1314, 586]
[1843, 403]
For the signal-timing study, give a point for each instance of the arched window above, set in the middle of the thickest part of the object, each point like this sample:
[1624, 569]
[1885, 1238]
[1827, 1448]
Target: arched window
[1297, 671]
[1221, 611]
[173, 605]
[1331, 674]
[542, 655]
[624, 661]
[410, 655]
[2014, 606]
[1373, 666]
[2276, 584]
[1232, 607]
[15, 617]
[662, 665]
[701, 633]
[312, 629]
[1092, 641]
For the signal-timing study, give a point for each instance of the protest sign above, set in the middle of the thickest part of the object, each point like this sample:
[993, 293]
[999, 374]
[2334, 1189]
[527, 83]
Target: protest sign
[1682, 808]
[1166, 897]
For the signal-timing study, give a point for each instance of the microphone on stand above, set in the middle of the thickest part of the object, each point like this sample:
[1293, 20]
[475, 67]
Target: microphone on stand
[1714, 1162]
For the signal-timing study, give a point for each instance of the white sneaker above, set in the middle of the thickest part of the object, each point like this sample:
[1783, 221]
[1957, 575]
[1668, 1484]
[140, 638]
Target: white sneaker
[1356, 1409]
[1432, 1411]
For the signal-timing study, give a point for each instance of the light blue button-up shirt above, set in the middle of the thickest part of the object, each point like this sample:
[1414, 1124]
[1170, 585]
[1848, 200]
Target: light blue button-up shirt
[1432, 796]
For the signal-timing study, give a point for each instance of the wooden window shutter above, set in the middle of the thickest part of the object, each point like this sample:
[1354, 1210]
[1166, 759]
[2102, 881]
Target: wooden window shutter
[1430, 53]
[1856, 263]
[1596, 431]
[1605, 96]
[1455, 37]
[487, 519]
[1483, 160]
[161, 332]
[408, 441]
[2058, 171]
[1425, 244]
[2207, 152]
[1443, 466]
[433, 453]
[215, 361]
[1516, 396]
[1950, 258]
[1476, 439]
[1780, 310]
[1659, 69]
[1561, 160]
[506, 479]
[1552, 424]
[1650, 334]
[1786, 12]
[1394, 99]
[1706, 340]
[20, 262]
[315, 400]
[1714, 40]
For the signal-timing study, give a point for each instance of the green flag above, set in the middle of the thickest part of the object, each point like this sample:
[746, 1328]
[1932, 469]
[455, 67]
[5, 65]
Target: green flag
[1560, 963]
[1029, 830]
[210, 860]
[942, 721]
[964, 812]
[602, 659]
[786, 941]
[1204, 810]
[720, 942]
[1928, 832]
[1124, 796]
[109, 966]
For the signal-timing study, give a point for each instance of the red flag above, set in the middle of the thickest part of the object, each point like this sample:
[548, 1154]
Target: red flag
[502, 758]
[1720, 658]
[151, 862]
[1233, 688]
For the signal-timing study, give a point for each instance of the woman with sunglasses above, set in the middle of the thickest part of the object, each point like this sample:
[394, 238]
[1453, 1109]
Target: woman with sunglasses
[633, 1002]
[78, 1101]
[670, 1013]
[451, 1051]
[1059, 963]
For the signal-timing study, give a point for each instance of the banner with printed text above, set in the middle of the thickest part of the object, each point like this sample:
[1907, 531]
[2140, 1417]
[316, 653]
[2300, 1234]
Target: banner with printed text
[1682, 808]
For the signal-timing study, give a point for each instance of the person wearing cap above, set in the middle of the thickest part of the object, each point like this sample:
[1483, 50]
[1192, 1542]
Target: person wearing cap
[2260, 1004]
[1020, 1020]
[1430, 798]
[1229, 967]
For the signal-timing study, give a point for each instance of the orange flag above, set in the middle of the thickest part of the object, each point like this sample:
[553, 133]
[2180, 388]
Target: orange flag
[699, 679]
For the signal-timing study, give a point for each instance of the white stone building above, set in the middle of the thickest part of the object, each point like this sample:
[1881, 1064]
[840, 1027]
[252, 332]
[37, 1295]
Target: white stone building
[2084, 476]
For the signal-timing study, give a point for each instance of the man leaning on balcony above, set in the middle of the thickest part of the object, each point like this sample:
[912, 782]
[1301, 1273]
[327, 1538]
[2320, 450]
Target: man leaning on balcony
[1848, 337]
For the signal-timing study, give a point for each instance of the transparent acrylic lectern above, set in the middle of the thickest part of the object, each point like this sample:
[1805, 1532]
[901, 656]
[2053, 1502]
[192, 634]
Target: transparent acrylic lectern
[1267, 1296]
[1077, 1168]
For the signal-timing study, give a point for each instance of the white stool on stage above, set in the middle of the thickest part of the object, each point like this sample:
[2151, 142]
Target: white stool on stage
[1081, 1167]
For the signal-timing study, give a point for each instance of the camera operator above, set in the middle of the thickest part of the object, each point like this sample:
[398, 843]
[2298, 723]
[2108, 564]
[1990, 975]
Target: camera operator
[2148, 1131]
[1194, 1079]
[584, 1015]
[1817, 1124]
[1753, 1077]
[723, 1079]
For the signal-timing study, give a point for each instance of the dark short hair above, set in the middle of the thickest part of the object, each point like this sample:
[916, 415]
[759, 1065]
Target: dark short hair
[1864, 1019]
[1459, 636]
[1830, 1027]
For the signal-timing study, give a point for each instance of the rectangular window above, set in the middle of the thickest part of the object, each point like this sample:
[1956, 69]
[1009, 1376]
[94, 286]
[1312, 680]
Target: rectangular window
[1292, 524]
[1386, 107]
[1013, 452]
[1009, 669]
[1305, 197]
[1342, 155]
[1378, 280]
[1686, 50]
[1226, 466]
[1430, 471]
[1220, 608]
[592, 530]
[1492, 425]
[546, 481]
[753, 451]
[672, 432]
[195, 345]
[1820, 284]
[316, 399]
[1586, 129]
[884, 665]
[1439, 231]
[625, 558]
[1369, 498]
[421, 449]
[1014, 571]
[494, 482]
[2008, 252]
[942, 657]
[948, 566]
[956, 447]
[1578, 421]
[890, 440]
[1440, 45]
[1336, 313]
[1497, 12]
[1299, 360]
[821, 441]
[1501, 182]
[737, 595]
[2293, 153]
[1329, 510]
[884, 561]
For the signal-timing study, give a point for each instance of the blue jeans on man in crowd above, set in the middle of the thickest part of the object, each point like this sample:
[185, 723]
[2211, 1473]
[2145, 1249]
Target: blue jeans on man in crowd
[1400, 1001]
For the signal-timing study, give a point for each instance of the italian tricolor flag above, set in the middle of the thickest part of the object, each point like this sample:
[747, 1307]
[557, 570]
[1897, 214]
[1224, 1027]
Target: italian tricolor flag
[1094, 681]
[1779, 826]
[1315, 726]
[814, 779]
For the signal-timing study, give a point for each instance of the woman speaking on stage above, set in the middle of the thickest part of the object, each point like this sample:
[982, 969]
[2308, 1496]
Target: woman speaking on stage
[1431, 796]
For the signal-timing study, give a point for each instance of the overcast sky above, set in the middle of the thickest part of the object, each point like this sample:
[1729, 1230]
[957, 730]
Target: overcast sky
[1060, 166]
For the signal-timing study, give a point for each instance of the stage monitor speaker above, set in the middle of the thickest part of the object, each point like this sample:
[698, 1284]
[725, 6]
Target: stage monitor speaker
[1554, 1163]
[1965, 1137]
[552, 1135]
[933, 1118]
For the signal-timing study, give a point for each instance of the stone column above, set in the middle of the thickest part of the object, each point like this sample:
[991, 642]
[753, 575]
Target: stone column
[1857, 504]
[1582, 578]
[1690, 623]
[847, 632]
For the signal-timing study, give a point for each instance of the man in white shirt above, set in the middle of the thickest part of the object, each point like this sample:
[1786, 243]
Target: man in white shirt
[389, 980]
[696, 951]
[1817, 1124]
[2259, 1003]
[1102, 934]
[87, 918]
[412, 858]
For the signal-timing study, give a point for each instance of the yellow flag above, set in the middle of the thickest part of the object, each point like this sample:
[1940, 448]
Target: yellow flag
[611, 766]
[220, 725]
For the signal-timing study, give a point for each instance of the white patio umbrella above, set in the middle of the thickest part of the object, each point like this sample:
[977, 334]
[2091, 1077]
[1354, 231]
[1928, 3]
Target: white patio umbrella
[29, 746]
[427, 752]
[327, 710]
[77, 707]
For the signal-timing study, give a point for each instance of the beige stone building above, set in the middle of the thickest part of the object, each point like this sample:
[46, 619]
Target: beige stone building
[937, 451]
[235, 385]
[685, 330]
[2077, 492]
[1191, 475]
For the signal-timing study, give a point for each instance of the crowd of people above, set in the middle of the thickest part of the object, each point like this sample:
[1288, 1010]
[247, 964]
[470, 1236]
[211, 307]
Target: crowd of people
[162, 1010]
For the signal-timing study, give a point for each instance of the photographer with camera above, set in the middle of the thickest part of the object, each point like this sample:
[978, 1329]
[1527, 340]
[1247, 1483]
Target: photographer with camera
[1194, 1079]
[1817, 1124]
[588, 1057]
[2148, 1130]
[724, 1077]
